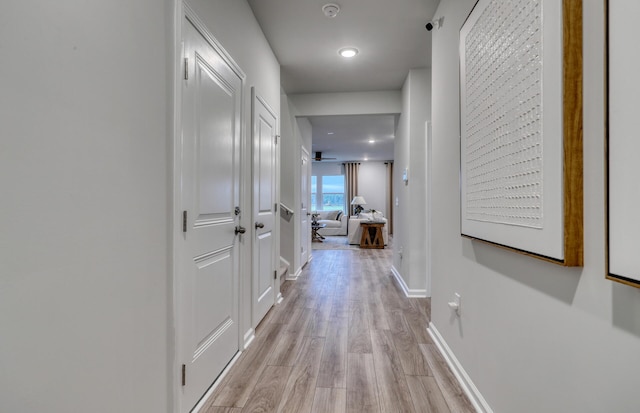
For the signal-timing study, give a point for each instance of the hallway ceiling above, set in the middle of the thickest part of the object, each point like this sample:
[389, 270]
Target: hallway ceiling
[350, 135]
[391, 39]
[390, 36]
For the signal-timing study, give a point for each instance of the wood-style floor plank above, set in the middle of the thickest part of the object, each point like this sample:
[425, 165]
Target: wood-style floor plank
[362, 390]
[412, 359]
[392, 384]
[290, 342]
[300, 389]
[377, 315]
[268, 391]
[359, 339]
[418, 323]
[340, 307]
[329, 401]
[453, 394]
[220, 409]
[319, 322]
[333, 367]
[426, 395]
[235, 389]
[290, 308]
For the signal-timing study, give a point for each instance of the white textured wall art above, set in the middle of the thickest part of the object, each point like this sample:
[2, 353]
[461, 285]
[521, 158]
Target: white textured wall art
[503, 128]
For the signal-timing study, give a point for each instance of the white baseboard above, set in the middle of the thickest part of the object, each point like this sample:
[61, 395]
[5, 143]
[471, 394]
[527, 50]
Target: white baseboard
[294, 276]
[209, 392]
[418, 293]
[284, 262]
[478, 402]
[248, 337]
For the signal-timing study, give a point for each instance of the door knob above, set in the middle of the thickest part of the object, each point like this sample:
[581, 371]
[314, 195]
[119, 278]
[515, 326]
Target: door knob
[308, 214]
[259, 225]
[240, 230]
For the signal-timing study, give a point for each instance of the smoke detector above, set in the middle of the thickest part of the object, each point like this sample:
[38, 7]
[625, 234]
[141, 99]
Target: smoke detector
[330, 10]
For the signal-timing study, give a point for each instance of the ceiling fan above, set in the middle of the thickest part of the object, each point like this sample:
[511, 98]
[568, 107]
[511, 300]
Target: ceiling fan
[319, 157]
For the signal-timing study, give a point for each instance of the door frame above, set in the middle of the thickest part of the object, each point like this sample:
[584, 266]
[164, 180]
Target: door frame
[182, 11]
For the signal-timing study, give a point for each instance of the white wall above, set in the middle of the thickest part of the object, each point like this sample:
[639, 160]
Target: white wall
[534, 337]
[305, 130]
[84, 172]
[351, 103]
[327, 168]
[410, 220]
[372, 177]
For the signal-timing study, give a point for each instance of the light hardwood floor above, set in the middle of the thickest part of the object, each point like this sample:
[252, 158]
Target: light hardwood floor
[344, 339]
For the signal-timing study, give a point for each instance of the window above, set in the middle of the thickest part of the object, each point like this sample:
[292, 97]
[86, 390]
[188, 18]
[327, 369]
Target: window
[314, 191]
[332, 193]
[327, 192]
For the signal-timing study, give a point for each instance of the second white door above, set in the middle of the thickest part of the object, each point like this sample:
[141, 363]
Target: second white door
[264, 207]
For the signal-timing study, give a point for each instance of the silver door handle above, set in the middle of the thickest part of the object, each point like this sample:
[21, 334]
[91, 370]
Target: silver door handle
[259, 225]
[240, 230]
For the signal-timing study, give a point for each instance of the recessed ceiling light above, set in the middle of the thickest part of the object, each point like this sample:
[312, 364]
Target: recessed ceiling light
[330, 133]
[348, 52]
[372, 141]
[366, 159]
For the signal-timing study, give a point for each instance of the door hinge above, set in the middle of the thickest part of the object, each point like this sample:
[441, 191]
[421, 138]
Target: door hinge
[275, 207]
[186, 68]
[184, 375]
[184, 221]
[276, 139]
[275, 274]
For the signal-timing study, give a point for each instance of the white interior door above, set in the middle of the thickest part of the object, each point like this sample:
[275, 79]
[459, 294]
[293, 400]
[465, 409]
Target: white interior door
[305, 214]
[264, 207]
[208, 336]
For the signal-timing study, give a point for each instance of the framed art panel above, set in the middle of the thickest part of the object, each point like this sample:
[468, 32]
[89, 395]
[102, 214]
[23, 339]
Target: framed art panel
[623, 127]
[521, 127]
